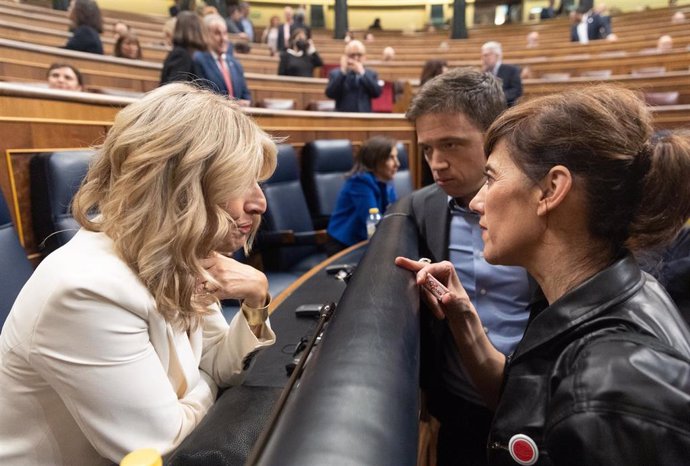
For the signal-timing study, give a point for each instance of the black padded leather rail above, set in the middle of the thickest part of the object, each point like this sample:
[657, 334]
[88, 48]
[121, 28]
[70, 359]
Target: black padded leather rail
[357, 402]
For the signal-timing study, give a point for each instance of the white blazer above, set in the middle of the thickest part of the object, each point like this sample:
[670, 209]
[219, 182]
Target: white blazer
[91, 371]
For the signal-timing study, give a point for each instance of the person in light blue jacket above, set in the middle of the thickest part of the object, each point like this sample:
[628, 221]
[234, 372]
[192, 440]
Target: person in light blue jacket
[369, 184]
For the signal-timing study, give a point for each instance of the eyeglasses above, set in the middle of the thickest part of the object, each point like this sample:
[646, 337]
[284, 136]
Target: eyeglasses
[355, 55]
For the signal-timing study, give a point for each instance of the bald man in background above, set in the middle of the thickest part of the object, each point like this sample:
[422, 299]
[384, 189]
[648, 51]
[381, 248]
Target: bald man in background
[352, 85]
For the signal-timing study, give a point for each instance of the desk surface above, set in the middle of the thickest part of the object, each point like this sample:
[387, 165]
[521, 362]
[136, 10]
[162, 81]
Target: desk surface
[319, 288]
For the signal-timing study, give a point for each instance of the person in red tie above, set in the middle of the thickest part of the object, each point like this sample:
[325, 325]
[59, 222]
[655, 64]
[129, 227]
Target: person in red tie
[218, 70]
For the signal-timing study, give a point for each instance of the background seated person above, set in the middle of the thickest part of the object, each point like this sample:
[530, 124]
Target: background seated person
[117, 341]
[588, 25]
[65, 77]
[664, 44]
[432, 68]
[270, 34]
[388, 53]
[300, 58]
[352, 85]
[369, 184]
[120, 28]
[86, 25]
[234, 22]
[127, 46]
[492, 62]
[219, 71]
[188, 38]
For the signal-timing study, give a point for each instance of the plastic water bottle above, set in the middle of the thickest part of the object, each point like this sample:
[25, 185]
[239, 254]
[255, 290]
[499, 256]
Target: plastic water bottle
[373, 220]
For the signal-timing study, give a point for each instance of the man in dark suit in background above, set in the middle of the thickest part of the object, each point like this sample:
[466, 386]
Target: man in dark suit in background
[352, 85]
[451, 114]
[492, 56]
[219, 71]
[285, 30]
[589, 25]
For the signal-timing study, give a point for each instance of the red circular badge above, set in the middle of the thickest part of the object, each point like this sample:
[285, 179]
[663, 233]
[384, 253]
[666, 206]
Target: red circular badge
[523, 449]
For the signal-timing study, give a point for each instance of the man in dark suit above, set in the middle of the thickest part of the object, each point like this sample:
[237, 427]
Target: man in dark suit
[549, 11]
[352, 85]
[285, 30]
[451, 114]
[589, 25]
[219, 71]
[492, 56]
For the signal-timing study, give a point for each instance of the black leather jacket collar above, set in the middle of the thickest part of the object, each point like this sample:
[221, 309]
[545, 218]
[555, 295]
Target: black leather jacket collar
[586, 302]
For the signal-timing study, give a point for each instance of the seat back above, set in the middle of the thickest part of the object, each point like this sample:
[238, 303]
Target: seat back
[555, 76]
[324, 165]
[327, 68]
[326, 105]
[403, 180]
[662, 98]
[277, 104]
[55, 179]
[384, 102]
[599, 74]
[286, 210]
[15, 268]
[649, 71]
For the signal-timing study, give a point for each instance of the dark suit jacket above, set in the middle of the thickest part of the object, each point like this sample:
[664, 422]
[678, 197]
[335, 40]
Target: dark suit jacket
[598, 27]
[212, 78]
[178, 66]
[281, 36]
[428, 208]
[85, 39]
[353, 93]
[512, 83]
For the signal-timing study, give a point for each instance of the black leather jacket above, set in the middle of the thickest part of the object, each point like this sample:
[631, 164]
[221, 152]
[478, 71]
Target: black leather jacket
[601, 377]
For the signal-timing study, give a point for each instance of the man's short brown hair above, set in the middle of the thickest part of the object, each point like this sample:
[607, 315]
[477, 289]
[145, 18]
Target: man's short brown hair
[477, 95]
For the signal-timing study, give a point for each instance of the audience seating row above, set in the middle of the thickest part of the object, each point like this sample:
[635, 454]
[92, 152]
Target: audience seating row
[288, 242]
[637, 35]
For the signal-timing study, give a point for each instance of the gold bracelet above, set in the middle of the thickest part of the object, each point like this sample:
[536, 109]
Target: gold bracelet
[256, 315]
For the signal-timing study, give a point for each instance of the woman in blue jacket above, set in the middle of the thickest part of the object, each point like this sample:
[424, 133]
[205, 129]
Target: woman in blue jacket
[368, 185]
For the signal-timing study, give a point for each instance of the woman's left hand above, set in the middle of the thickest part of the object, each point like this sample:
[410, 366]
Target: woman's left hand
[237, 280]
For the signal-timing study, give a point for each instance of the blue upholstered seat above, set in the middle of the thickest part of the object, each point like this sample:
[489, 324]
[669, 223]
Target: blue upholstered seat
[324, 165]
[55, 179]
[287, 241]
[403, 180]
[15, 268]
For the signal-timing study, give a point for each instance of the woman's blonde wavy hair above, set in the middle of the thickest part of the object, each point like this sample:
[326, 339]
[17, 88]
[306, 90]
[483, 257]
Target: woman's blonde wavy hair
[167, 167]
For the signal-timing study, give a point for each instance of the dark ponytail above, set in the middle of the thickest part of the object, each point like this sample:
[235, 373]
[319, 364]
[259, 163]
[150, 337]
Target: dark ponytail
[665, 203]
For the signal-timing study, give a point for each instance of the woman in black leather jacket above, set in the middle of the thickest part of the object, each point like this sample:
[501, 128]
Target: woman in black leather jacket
[575, 187]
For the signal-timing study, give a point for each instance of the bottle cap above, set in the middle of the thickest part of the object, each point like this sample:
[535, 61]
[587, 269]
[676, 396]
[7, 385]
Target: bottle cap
[143, 457]
[374, 210]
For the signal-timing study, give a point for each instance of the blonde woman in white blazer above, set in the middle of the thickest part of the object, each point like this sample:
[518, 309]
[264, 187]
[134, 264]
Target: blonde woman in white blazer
[117, 341]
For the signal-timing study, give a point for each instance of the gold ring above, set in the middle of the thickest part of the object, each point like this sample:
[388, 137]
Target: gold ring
[425, 260]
